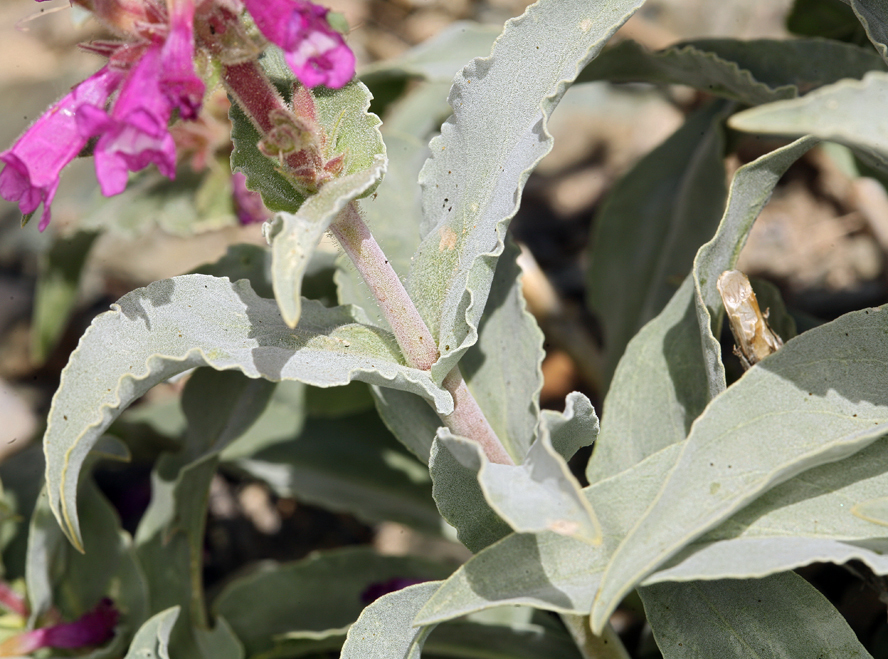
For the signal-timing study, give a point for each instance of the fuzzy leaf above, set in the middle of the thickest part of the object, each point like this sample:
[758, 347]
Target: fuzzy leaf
[294, 237]
[751, 189]
[540, 494]
[662, 366]
[815, 401]
[572, 429]
[752, 72]
[848, 112]
[651, 225]
[152, 639]
[196, 320]
[472, 183]
[385, 629]
[782, 616]
[873, 15]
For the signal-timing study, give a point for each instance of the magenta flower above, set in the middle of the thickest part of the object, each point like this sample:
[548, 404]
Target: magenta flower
[181, 85]
[135, 134]
[93, 628]
[315, 51]
[35, 161]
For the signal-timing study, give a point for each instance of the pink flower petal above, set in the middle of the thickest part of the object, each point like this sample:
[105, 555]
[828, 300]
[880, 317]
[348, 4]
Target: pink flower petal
[182, 86]
[316, 52]
[93, 628]
[35, 161]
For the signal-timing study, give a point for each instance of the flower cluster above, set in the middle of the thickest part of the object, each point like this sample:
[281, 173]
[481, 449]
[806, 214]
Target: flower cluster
[124, 110]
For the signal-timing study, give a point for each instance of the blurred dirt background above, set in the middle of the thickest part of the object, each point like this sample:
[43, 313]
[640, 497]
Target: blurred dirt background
[822, 239]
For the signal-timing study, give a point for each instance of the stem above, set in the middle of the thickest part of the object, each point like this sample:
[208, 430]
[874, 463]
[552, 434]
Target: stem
[606, 646]
[468, 419]
[411, 332]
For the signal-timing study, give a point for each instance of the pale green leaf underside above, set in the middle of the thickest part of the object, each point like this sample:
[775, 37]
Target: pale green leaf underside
[172, 325]
[294, 237]
[659, 383]
[822, 394]
[850, 112]
[572, 429]
[153, 637]
[780, 617]
[538, 495]
[752, 72]
[385, 629]
[472, 183]
[805, 520]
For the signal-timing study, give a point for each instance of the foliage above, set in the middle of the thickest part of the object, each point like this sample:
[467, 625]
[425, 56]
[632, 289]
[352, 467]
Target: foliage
[703, 494]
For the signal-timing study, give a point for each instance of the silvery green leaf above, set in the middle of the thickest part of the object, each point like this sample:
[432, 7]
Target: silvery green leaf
[873, 15]
[323, 592]
[294, 237]
[152, 639]
[809, 518]
[662, 366]
[385, 629]
[752, 72]
[503, 370]
[56, 294]
[458, 494]
[350, 130]
[751, 189]
[543, 570]
[350, 464]
[438, 58]
[472, 183]
[781, 616]
[558, 573]
[651, 225]
[196, 320]
[815, 401]
[674, 362]
[572, 429]
[848, 112]
[538, 495]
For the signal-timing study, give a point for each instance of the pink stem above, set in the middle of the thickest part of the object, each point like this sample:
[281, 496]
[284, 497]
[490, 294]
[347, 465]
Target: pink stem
[411, 332]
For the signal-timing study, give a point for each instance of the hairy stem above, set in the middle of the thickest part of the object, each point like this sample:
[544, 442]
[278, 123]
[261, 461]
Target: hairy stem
[411, 332]
[606, 646]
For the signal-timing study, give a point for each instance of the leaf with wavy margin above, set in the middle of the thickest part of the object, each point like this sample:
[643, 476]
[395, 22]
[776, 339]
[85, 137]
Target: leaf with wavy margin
[176, 324]
[152, 639]
[850, 112]
[385, 629]
[752, 72]
[472, 183]
[817, 400]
